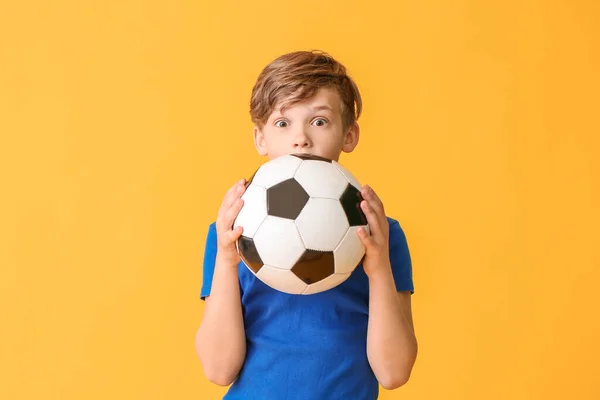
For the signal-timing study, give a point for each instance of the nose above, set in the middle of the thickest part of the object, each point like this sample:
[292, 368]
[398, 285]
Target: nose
[301, 139]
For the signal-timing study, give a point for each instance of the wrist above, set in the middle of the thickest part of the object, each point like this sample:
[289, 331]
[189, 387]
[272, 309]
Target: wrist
[227, 258]
[381, 275]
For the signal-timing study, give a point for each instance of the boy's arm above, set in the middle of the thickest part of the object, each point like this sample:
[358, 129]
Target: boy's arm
[221, 337]
[391, 341]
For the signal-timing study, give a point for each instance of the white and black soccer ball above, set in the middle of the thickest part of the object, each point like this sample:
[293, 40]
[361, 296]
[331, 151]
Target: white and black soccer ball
[300, 217]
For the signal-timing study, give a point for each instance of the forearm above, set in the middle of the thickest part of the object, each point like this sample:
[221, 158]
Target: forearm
[221, 340]
[391, 342]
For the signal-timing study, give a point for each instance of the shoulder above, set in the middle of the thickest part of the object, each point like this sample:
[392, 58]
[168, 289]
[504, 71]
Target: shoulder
[212, 226]
[392, 221]
[210, 256]
[212, 232]
[397, 234]
[400, 258]
[210, 248]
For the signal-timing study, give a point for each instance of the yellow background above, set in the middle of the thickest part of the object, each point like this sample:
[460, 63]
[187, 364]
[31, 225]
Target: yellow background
[123, 122]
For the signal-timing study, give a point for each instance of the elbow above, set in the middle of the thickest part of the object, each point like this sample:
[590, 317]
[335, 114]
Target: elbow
[221, 379]
[393, 376]
[220, 374]
[220, 369]
[392, 382]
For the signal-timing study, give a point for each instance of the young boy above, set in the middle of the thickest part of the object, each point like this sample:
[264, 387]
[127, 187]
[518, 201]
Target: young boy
[337, 344]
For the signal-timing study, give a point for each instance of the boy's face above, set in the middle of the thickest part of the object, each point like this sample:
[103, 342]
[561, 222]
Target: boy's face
[312, 127]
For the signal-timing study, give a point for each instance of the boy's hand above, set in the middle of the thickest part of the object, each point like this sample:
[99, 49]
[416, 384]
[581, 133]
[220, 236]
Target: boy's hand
[376, 244]
[226, 235]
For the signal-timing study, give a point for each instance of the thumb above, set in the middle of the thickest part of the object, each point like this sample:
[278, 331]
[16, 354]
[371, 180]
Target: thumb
[234, 234]
[366, 239]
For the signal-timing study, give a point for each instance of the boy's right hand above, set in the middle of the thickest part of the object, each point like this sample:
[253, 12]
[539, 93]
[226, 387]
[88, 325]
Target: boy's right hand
[228, 212]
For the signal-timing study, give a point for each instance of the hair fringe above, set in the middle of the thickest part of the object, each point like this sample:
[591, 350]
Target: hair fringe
[295, 77]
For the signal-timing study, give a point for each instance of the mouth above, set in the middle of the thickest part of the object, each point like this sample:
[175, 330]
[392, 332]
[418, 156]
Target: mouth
[310, 156]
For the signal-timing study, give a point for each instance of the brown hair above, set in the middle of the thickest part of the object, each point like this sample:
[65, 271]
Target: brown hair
[297, 76]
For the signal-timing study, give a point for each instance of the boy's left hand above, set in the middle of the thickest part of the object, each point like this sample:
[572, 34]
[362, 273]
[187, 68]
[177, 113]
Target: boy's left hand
[377, 243]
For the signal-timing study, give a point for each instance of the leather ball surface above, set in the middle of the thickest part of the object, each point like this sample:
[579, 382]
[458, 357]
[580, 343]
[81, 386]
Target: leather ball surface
[300, 217]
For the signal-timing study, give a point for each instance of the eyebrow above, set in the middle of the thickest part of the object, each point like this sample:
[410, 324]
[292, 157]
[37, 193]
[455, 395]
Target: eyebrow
[323, 107]
[316, 108]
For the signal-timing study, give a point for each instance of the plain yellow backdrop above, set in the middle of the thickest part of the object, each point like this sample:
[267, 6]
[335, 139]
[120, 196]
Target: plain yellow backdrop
[122, 124]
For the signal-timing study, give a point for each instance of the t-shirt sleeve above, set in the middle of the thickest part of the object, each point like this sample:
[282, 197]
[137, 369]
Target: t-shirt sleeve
[400, 258]
[210, 256]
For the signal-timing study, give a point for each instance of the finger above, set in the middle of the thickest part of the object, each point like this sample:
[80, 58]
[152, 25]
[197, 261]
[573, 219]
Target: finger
[366, 239]
[233, 234]
[227, 216]
[226, 203]
[376, 203]
[235, 192]
[372, 217]
[234, 186]
[228, 237]
[232, 213]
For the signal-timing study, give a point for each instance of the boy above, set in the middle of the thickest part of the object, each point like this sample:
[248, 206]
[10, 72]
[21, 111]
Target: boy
[337, 344]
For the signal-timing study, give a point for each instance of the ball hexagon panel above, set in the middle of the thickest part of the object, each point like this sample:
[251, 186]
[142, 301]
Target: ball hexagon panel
[254, 210]
[349, 252]
[282, 280]
[278, 242]
[286, 199]
[314, 266]
[347, 174]
[327, 283]
[249, 254]
[322, 224]
[350, 200]
[331, 182]
[277, 170]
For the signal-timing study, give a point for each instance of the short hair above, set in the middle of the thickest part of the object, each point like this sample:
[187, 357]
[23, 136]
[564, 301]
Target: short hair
[297, 76]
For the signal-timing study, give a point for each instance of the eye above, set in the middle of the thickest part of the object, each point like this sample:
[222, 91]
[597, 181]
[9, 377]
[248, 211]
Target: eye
[322, 120]
[278, 124]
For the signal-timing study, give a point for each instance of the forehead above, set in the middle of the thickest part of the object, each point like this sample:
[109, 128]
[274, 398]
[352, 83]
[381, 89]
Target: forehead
[325, 99]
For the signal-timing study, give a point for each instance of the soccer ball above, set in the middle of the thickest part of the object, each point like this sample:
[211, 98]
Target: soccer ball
[299, 219]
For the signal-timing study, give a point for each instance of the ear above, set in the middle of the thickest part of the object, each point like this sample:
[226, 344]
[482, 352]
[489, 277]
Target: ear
[259, 142]
[351, 138]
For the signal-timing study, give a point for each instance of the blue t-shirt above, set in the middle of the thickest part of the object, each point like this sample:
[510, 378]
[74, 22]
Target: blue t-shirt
[308, 347]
